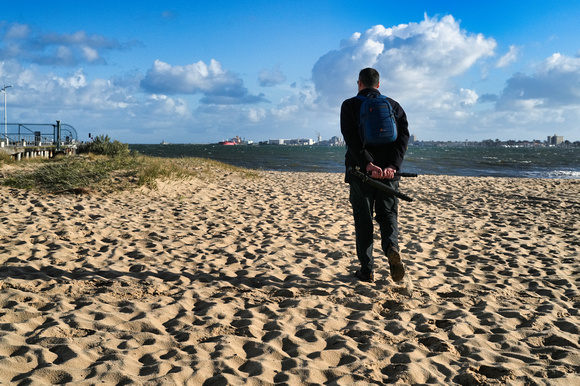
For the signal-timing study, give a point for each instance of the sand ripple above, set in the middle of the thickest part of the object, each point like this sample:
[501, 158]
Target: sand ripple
[249, 282]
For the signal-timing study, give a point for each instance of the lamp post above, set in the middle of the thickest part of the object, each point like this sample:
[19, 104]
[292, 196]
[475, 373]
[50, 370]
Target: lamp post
[5, 125]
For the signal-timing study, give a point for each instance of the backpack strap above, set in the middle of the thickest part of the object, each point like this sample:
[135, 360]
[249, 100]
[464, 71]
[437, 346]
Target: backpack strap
[370, 95]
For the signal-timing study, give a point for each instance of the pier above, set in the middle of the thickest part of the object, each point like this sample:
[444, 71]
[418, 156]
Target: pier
[34, 140]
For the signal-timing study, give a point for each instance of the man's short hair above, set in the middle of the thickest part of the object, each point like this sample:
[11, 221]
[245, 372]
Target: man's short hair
[369, 77]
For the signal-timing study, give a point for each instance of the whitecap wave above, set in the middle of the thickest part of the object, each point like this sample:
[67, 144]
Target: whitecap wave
[565, 174]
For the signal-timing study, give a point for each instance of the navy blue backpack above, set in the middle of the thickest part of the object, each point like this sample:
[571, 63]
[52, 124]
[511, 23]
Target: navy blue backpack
[377, 120]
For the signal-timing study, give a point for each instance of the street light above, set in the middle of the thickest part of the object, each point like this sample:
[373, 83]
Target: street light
[5, 125]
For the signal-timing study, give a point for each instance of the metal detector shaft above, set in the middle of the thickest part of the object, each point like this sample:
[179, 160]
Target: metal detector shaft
[379, 185]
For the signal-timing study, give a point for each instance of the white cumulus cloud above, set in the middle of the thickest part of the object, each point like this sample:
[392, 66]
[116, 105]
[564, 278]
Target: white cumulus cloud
[218, 86]
[25, 44]
[416, 60]
[555, 83]
[508, 58]
[269, 78]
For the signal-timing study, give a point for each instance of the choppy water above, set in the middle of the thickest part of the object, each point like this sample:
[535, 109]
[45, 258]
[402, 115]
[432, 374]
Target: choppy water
[538, 162]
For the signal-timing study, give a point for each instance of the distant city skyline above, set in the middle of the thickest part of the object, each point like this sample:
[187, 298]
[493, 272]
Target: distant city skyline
[339, 141]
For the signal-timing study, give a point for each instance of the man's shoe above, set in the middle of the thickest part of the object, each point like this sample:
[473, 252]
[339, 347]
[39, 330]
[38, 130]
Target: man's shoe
[395, 263]
[369, 277]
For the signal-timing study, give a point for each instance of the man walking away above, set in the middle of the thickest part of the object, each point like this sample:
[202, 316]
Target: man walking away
[380, 161]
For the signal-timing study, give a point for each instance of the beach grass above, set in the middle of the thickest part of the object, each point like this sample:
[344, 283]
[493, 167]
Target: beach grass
[81, 174]
[5, 158]
[109, 166]
[152, 169]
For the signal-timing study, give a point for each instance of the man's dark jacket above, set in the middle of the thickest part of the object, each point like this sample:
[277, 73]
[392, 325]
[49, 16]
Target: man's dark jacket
[391, 154]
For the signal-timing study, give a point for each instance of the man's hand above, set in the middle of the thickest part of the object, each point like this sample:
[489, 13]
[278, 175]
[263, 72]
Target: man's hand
[389, 173]
[380, 174]
[375, 171]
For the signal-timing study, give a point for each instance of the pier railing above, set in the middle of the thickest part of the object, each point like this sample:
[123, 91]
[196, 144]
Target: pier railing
[31, 138]
[38, 134]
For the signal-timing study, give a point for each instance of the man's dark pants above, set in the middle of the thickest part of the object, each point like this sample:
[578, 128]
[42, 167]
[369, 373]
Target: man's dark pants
[365, 198]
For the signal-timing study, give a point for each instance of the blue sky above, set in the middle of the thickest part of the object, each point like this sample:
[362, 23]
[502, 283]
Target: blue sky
[201, 72]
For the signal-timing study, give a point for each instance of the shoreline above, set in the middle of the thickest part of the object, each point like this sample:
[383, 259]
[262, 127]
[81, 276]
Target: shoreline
[558, 163]
[250, 281]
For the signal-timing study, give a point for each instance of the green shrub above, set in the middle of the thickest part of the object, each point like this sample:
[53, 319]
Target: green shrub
[102, 145]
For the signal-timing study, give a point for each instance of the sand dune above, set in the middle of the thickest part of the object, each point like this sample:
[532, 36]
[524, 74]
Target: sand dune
[249, 281]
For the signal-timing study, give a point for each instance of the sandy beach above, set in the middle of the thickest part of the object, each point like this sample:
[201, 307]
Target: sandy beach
[249, 281]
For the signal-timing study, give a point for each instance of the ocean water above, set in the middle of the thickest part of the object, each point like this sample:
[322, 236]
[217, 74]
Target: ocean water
[537, 162]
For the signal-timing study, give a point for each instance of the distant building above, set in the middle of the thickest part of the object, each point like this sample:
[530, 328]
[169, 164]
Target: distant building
[555, 139]
[412, 139]
[334, 141]
[292, 142]
[299, 142]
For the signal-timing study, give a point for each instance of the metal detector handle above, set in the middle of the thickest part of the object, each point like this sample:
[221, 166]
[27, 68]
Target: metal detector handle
[406, 174]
